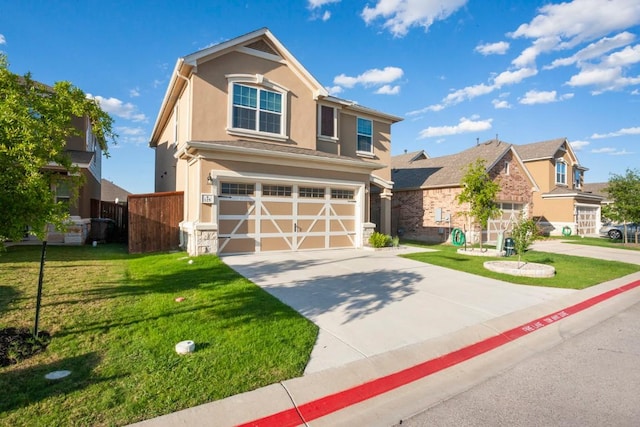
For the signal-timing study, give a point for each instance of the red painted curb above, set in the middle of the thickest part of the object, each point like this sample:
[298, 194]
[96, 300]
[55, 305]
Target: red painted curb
[340, 400]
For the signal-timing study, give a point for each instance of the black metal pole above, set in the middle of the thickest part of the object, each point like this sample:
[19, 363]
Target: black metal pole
[40, 279]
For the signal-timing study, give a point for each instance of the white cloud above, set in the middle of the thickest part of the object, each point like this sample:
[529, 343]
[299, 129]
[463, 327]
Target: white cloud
[333, 90]
[578, 145]
[635, 92]
[326, 15]
[621, 132]
[512, 77]
[119, 109]
[628, 56]
[611, 151]
[388, 90]
[371, 77]
[580, 21]
[132, 135]
[468, 92]
[594, 50]
[605, 150]
[500, 104]
[314, 4]
[433, 108]
[2, 39]
[400, 15]
[499, 48]
[135, 92]
[528, 56]
[464, 126]
[543, 97]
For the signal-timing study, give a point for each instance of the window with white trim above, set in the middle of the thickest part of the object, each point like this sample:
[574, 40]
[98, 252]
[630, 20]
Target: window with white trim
[257, 109]
[276, 190]
[236, 189]
[561, 172]
[337, 193]
[311, 192]
[365, 135]
[327, 121]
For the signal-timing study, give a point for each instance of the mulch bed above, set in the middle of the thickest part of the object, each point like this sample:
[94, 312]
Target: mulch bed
[17, 344]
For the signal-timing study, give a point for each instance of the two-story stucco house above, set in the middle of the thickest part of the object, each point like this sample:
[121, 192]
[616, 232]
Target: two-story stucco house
[266, 158]
[562, 203]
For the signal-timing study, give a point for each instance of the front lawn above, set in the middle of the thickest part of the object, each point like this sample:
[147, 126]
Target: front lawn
[571, 272]
[114, 322]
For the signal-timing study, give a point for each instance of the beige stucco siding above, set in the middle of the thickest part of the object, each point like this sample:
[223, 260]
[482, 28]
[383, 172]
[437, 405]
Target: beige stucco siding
[210, 89]
[555, 210]
[165, 170]
[381, 141]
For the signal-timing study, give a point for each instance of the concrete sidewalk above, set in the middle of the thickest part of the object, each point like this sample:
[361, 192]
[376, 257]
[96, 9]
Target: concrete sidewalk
[383, 318]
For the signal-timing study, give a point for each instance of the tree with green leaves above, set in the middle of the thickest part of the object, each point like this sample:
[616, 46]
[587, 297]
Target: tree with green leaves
[624, 190]
[35, 124]
[480, 192]
[524, 232]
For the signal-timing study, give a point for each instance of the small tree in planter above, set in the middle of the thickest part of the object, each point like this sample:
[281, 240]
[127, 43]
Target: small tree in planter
[480, 191]
[524, 232]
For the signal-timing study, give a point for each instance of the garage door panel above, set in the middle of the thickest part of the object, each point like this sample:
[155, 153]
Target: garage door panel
[341, 242]
[276, 226]
[278, 243]
[277, 208]
[344, 209]
[228, 226]
[312, 242]
[237, 245]
[235, 207]
[342, 225]
[310, 208]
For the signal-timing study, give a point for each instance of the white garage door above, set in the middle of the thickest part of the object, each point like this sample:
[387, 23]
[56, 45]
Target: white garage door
[586, 220]
[258, 217]
[510, 214]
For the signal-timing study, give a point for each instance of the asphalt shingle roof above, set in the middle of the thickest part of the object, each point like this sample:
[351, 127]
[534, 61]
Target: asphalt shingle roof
[540, 150]
[446, 170]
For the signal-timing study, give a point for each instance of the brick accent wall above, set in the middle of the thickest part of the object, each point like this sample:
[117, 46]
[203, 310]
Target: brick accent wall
[414, 212]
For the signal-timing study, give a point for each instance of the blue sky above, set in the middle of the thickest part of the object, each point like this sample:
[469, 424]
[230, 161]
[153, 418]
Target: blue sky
[455, 70]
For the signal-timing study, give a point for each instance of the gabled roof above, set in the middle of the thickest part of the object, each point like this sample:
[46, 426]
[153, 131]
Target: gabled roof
[597, 188]
[541, 150]
[448, 171]
[402, 160]
[110, 192]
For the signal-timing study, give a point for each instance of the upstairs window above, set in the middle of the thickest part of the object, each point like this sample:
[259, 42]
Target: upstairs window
[327, 121]
[257, 109]
[561, 172]
[365, 136]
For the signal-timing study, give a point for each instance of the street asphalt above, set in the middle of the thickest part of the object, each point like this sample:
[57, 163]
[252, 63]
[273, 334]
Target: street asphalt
[392, 330]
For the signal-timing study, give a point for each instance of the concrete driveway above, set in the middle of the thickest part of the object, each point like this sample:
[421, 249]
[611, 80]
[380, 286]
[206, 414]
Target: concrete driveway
[370, 302]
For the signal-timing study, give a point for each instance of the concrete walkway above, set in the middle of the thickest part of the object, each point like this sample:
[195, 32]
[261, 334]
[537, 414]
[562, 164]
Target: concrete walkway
[611, 254]
[391, 329]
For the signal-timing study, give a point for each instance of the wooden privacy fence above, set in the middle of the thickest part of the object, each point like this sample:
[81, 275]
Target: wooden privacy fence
[117, 212]
[153, 221]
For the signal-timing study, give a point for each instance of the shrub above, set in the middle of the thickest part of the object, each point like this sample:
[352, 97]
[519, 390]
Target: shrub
[379, 240]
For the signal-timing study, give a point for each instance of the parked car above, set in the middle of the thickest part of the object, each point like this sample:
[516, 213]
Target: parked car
[615, 231]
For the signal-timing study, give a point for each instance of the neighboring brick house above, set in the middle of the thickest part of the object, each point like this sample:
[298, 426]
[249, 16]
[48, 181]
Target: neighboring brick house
[562, 202]
[425, 190]
[266, 158]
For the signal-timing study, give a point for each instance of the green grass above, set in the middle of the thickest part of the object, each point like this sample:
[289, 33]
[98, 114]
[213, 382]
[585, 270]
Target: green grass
[598, 241]
[114, 323]
[571, 272]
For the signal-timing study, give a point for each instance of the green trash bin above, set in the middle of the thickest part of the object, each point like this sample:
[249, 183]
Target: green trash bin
[509, 246]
